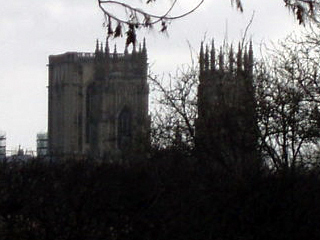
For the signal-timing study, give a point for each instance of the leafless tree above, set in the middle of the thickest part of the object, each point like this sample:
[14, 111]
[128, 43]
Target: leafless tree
[288, 105]
[306, 52]
[175, 108]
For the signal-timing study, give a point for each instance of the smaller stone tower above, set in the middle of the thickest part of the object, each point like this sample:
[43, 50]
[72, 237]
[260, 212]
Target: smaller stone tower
[226, 128]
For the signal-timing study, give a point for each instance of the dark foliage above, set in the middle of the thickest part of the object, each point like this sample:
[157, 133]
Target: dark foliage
[170, 196]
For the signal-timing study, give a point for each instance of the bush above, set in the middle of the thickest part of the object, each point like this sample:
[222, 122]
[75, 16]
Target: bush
[170, 196]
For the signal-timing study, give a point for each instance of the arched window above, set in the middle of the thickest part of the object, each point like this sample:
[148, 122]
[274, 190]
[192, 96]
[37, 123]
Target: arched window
[124, 128]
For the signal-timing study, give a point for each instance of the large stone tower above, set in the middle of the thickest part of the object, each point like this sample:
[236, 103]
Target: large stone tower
[98, 103]
[226, 128]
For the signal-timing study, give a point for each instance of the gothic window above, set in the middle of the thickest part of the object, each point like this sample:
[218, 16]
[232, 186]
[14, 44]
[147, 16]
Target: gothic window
[124, 128]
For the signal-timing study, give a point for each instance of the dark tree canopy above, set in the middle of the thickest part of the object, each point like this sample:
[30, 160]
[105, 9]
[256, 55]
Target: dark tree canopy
[172, 198]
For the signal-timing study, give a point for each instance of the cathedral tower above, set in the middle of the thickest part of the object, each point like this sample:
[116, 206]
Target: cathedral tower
[226, 128]
[98, 103]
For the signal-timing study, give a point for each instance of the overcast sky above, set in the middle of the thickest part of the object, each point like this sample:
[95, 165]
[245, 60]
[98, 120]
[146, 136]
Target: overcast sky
[31, 30]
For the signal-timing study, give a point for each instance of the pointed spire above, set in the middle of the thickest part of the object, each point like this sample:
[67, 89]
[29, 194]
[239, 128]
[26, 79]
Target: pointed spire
[115, 54]
[101, 47]
[99, 69]
[97, 51]
[250, 51]
[221, 60]
[245, 60]
[107, 56]
[144, 48]
[107, 50]
[125, 61]
[239, 59]
[206, 59]
[213, 57]
[140, 49]
[115, 49]
[231, 59]
[97, 46]
[201, 58]
[250, 58]
[144, 58]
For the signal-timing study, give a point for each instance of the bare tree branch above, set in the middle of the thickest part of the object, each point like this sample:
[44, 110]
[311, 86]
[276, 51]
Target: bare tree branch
[137, 18]
[288, 102]
[304, 10]
[175, 108]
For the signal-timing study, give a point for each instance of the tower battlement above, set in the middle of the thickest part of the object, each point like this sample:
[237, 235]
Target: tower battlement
[125, 64]
[70, 57]
[226, 62]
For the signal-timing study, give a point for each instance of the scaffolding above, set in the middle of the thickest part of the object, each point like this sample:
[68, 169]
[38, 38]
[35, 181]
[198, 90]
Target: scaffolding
[42, 144]
[2, 145]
